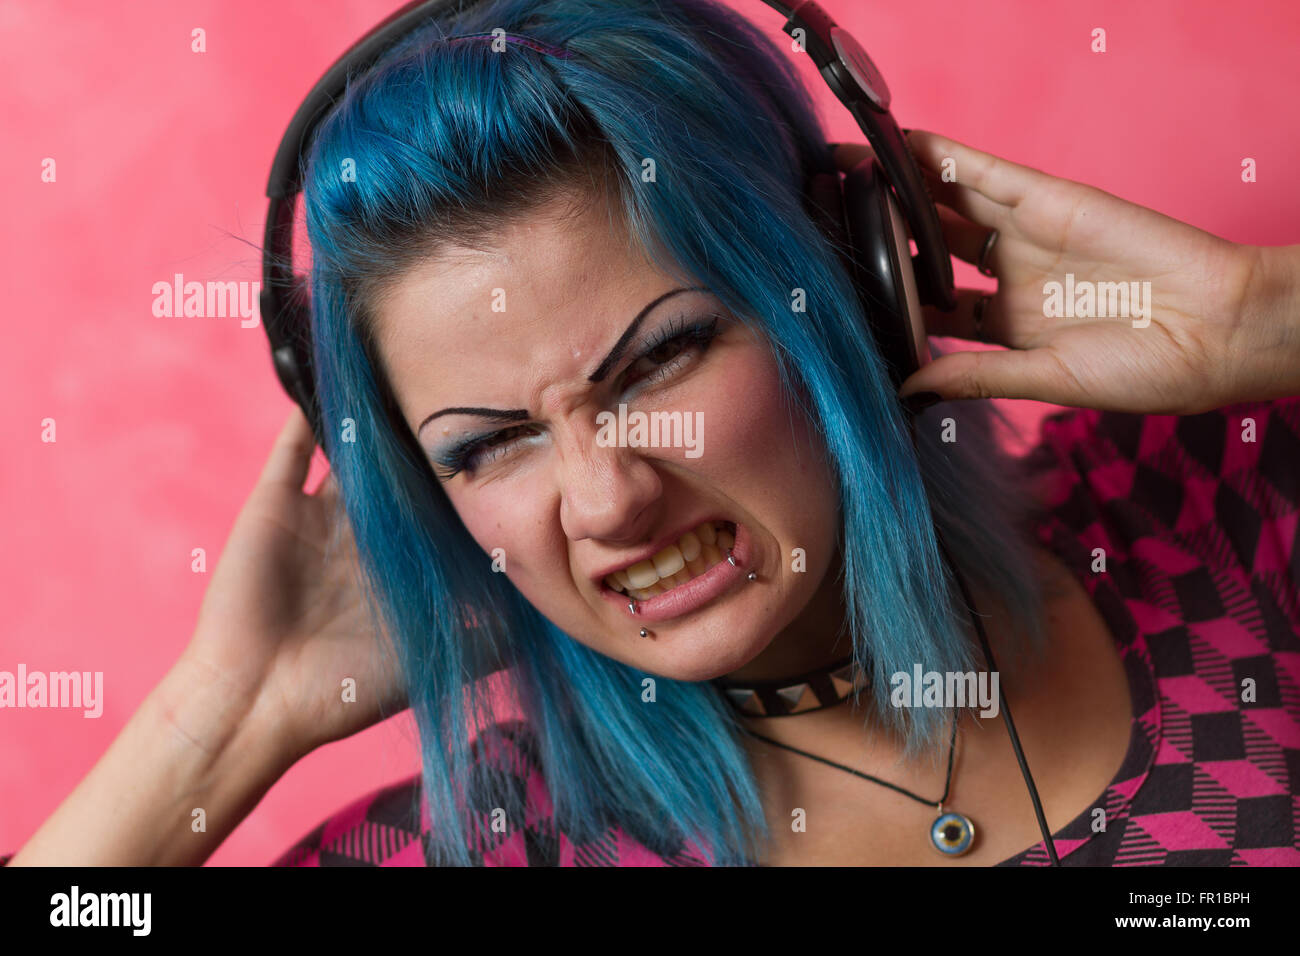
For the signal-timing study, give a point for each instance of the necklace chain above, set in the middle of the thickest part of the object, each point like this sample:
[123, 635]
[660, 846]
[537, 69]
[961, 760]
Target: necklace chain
[866, 776]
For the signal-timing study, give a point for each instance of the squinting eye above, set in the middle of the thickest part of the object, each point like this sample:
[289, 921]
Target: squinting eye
[671, 343]
[492, 447]
[653, 364]
[476, 454]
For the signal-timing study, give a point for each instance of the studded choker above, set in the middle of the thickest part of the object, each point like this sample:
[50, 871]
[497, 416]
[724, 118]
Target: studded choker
[817, 689]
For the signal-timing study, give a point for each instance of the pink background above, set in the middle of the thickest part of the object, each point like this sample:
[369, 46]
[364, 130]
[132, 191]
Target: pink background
[164, 424]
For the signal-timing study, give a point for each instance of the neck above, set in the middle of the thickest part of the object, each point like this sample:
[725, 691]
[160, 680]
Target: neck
[813, 641]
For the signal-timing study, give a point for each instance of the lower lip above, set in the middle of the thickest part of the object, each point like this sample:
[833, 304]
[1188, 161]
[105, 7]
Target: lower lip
[695, 593]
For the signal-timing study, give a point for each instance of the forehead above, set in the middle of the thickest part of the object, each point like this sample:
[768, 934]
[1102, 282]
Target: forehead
[546, 296]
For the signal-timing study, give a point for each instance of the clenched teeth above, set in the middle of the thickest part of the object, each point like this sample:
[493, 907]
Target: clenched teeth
[694, 553]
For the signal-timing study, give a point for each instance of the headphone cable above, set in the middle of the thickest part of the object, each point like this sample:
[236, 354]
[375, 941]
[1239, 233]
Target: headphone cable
[1002, 699]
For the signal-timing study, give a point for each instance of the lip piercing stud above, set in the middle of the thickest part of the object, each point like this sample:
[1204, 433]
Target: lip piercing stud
[731, 558]
[752, 575]
[631, 606]
[644, 632]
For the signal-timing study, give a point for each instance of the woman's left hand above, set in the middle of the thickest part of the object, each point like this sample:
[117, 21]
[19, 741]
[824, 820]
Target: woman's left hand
[1205, 333]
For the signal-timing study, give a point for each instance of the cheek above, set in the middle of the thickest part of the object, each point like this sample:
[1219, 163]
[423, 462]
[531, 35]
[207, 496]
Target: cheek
[502, 521]
[759, 441]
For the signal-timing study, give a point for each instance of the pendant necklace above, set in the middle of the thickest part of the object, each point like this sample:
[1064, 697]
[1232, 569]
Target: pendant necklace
[952, 834]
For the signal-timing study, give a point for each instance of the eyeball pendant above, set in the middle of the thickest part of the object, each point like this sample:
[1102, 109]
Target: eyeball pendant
[952, 834]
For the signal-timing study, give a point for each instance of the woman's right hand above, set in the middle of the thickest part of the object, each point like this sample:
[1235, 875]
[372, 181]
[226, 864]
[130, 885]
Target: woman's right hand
[1219, 323]
[282, 625]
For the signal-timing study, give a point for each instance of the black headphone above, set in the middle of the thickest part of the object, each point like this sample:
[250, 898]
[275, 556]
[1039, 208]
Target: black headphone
[861, 209]
[868, 212]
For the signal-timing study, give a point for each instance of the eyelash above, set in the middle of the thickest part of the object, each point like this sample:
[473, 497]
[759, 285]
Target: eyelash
[699, 333]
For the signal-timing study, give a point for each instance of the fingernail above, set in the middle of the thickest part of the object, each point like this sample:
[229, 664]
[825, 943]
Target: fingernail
[920, 401]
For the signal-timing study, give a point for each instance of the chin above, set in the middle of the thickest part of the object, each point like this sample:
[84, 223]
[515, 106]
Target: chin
[700, 655]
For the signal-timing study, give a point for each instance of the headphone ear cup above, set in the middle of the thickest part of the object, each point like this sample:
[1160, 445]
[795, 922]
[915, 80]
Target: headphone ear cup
[825, 202]
[886, 280]
[292, 357]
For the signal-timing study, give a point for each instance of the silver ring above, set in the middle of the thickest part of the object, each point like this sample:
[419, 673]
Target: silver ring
[989, 242]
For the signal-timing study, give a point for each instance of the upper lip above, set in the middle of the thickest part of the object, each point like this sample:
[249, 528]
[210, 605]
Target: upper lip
[652, 550]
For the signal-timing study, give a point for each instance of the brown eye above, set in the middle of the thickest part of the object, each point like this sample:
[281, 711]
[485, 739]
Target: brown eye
[660, 358]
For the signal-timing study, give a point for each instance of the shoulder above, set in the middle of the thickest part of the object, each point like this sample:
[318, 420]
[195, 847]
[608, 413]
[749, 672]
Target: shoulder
[390, 826]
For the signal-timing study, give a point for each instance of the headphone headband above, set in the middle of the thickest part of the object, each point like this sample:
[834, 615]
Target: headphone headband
[843, 63]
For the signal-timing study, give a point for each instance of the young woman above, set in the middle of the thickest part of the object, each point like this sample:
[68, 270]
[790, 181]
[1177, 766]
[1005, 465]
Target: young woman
[529, 244]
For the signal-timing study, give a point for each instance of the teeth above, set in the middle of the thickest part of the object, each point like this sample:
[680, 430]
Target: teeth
[690, 546]
[642, 574]
[669, 561]
[694, 553]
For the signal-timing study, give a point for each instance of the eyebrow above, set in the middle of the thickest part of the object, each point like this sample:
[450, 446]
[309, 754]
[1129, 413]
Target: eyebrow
[599, 375]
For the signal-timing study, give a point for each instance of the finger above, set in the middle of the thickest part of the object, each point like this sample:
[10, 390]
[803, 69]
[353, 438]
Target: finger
[960, 322]
[290, 456]
[327, 493]
[1034, 374]
[955, 195]
[965, 217]
[328, 489]
[848, 156]
[991, 177]
[330, 497]
[973, 206]
[965, 239]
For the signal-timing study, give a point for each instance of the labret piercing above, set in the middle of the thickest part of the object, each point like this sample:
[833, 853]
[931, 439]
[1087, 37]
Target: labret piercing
[731, 559]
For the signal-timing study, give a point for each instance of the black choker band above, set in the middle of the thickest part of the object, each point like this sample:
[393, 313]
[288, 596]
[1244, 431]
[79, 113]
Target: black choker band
[801, 694]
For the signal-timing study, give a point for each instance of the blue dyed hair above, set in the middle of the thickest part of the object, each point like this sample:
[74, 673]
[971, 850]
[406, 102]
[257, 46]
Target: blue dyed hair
[449, 142]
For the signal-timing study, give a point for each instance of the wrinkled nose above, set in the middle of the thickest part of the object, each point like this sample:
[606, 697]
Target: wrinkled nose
[605, 492]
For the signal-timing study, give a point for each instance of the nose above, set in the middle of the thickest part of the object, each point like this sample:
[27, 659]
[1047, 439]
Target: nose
[605, 492]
